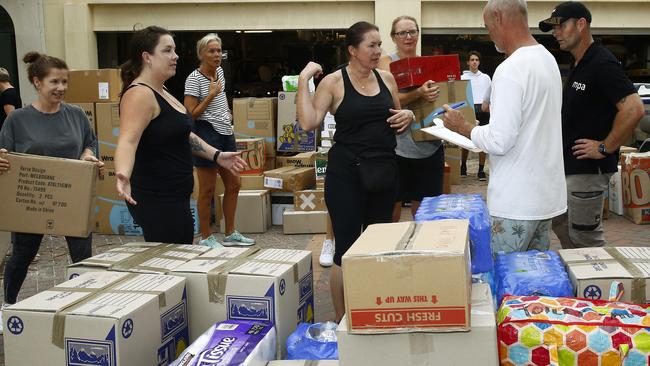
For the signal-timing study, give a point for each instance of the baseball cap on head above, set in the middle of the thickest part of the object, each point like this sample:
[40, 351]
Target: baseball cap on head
[564, 11]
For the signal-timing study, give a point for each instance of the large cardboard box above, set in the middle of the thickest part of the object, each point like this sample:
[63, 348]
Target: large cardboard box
[290, 179]
[107, 117]
[450, 92]
[45, 195]
[89, 110]
[592, 271]
[100, 318]
[310, 200]
[304, 222]
[477, 347]
[635, 179]
[301, 160]
[156, 258]
[256, 117]
[290, 136]
[274, 285]
[415, 71]
[93, 86]
[615, 193]
[253, 213]
[420, 278]
[453, 156]
[253, 154]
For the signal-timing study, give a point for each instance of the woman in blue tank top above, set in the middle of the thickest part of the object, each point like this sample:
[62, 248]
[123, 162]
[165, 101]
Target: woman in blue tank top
[361, 173]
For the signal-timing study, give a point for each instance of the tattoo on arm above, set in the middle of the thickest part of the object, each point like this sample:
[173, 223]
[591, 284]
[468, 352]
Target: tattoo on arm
[195, 144]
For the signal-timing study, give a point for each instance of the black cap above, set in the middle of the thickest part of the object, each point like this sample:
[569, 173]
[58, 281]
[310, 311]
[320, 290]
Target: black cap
[564, 11]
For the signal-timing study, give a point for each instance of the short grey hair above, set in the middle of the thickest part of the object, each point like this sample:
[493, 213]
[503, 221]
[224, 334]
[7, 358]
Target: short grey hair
[509, 5]
[203, 42]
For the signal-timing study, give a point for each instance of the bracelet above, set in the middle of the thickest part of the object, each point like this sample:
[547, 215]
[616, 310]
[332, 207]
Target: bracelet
[216, 156]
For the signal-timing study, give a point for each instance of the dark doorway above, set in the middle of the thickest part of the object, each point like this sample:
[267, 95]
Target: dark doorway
[8, 47]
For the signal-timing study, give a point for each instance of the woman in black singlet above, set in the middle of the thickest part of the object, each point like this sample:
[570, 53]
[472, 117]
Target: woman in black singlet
[361, 172]
[153, 158]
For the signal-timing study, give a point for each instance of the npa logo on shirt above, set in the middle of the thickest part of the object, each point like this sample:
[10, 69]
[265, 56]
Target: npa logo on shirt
[578, 86]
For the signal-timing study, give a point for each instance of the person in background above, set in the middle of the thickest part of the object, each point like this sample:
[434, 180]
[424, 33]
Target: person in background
[361, 170]
[206, 101]
[47, 127]
[153, 158]
[480, 85]
[421, 164]
[9, 97]
[600, 111]
[524, 136]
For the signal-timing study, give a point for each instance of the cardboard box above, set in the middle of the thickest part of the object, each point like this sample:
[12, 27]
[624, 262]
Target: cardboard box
[253, 154]
[256, 117]
[290, 179]
[280, 202]
[100, 318]
[89, 110]
[253, 213]
[290, 136]
[107, 117]
[274, 285]
[453, 156]
[446, 186]
[269, 164]
[301, 160]
[403, 295]
[477, 347]
[310, 200]
[251, 182]
[45, 195]
[415, 71]
[320, 163]
[156, 258]
[615, 194]
[592, 271]
[635, 179]
[304, 222]
[450, 92]
[93, 86]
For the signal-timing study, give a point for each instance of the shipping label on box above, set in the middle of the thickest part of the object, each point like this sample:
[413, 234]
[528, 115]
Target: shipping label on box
[290, 136]
[402, 294]
[415, 71]
[253, 213]
[592, 271]
[310, 200]
[635, 183]
[301, 160]
[273, 285]
[290, 179]
[45, 195]
[253, 153]
[100, 318]
[304, 222]
[94, 86]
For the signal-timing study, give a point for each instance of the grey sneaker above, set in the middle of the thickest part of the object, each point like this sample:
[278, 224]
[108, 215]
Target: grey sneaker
[236, 238]
[211, 242]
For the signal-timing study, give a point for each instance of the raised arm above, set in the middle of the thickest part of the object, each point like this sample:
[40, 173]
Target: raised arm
[312, 110]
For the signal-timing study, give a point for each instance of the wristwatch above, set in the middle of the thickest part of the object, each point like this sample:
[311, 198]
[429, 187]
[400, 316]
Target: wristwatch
[602, 150]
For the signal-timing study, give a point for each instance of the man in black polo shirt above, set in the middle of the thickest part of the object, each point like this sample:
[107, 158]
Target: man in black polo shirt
[600, 110]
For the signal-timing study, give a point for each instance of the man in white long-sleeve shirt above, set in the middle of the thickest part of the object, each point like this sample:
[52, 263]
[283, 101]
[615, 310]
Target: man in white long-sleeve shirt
[524, 137]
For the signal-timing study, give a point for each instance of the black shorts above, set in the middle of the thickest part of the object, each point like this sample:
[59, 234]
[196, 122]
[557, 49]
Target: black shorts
[482, 117]
[207, 133]
[419, 178]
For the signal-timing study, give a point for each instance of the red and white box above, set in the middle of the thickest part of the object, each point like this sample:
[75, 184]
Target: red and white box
[635, 182]
[415, 71]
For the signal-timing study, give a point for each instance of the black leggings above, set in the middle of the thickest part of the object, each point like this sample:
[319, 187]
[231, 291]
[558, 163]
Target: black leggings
[24, 249]
[351, 208]
[163, 219]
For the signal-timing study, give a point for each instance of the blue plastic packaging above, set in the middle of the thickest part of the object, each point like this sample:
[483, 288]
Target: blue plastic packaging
[531, 273]
[313, 342]
[464, 206]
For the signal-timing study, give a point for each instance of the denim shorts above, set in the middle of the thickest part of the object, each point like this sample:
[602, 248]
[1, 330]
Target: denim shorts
[207, 133]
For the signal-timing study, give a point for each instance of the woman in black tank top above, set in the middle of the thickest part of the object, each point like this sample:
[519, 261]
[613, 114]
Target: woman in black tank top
[361, 171]
[153, 158]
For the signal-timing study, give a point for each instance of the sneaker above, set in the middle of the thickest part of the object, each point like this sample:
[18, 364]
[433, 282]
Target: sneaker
[4, 306]
[482, 177]
[463, 170]
[326, 258]
[211, 242]
[236, 238]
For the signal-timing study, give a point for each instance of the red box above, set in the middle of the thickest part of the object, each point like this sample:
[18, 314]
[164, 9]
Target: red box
[415, 71]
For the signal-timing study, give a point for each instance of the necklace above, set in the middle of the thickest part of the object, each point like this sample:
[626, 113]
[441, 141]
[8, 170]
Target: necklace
[358, 81]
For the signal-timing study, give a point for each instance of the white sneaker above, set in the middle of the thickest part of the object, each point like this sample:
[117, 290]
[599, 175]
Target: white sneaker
[326, 258]
[4, 306]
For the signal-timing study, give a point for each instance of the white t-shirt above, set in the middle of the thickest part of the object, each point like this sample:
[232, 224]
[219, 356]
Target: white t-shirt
[524, 138]
[217, 112]
[480, 83]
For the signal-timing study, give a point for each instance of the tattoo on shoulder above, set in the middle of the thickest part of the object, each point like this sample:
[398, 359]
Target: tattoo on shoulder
[195, 144]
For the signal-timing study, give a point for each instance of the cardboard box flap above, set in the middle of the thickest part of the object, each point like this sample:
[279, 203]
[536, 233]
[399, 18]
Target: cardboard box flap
[104, 260]
[584, 254]
[443, 236]
[43, 157]
[200, 265]
[228, 252]
[381, 239]
[621, 262]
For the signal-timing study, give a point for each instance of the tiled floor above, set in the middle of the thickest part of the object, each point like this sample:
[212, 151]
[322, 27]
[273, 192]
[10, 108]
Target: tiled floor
[49, 269]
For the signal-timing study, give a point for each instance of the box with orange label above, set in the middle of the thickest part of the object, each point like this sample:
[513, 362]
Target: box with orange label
[409, 277]
[253, 154]
[635, 181]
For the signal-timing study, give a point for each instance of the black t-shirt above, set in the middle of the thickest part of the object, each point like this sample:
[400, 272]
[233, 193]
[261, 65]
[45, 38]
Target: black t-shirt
[8, 96]
[591, 92]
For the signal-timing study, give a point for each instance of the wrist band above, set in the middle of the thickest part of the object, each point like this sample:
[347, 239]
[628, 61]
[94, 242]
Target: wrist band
[216, 156]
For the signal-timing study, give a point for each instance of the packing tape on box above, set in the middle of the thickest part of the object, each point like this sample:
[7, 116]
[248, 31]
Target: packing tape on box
[135, 261]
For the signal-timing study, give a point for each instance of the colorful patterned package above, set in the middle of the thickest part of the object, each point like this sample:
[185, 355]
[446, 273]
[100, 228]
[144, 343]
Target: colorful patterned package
[559, 331]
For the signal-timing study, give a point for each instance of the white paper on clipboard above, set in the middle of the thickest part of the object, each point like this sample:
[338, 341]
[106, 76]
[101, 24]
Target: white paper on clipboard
[442, 132]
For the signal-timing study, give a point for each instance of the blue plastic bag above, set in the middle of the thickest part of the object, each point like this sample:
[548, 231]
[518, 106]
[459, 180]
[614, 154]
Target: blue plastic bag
[531, 273]
[313, 342]
[464, 206]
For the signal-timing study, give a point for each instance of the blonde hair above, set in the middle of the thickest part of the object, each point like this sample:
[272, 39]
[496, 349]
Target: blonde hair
[4, 75]
[203, 43]
[403, 17]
